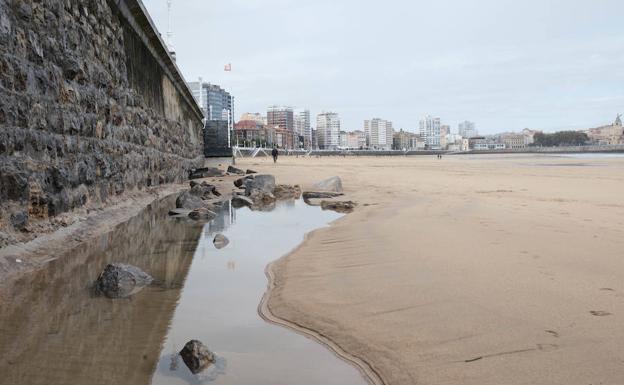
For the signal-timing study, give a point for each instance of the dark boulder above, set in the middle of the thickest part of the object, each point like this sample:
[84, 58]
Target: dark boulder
[285, 191]
[262, 200]
[205, 191]
[196, 356]
[179, 212]
[202, 214]
[319, 195]
[240, 201]
[338, 206]
[234, 170]
[205, 172]
[119, 280]
[263, 183]
[220, 241]
[188, 201]
[241, 181]
[249, 171]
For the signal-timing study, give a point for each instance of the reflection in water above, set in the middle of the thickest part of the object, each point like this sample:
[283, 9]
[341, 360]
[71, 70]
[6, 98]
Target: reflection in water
[54, 332]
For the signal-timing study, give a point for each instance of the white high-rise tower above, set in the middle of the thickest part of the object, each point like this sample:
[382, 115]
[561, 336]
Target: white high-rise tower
[328, 130]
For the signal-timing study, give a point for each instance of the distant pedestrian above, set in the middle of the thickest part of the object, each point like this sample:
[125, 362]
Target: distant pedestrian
[274, 154]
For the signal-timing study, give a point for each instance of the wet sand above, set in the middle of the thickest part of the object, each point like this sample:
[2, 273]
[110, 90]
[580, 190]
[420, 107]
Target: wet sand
[469, 270]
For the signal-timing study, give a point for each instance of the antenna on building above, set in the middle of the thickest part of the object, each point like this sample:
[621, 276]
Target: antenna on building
[170, 32]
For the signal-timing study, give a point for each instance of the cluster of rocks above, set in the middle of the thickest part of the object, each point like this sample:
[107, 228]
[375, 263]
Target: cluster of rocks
[198, 203]
[260, 192]
[324, 194]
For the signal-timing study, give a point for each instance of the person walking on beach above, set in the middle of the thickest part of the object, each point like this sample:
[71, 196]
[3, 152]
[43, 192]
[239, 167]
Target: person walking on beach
[274, 154]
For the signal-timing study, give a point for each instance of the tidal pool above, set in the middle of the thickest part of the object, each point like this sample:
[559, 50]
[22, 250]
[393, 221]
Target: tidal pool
[53, 330]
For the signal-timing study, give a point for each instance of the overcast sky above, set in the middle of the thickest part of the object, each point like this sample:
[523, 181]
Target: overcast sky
[504, 64]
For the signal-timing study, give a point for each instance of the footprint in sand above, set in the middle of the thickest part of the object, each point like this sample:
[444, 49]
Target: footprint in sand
[599, 313]
[552, 333]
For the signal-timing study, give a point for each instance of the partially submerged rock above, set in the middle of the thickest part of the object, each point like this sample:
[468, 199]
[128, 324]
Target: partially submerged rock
[260, 190]
[240, 182]
[220, 241]
[240, 201]
[179, 212]
[189, 201]
[205, 191]
[320, 195]
[263, 183]
[196, 356]
[234, 170]
[333, 184]
[195, 197]
[262, 200]
[338, 206]
[205, 172]
[285, 191]
[119, 280]
[202, 214]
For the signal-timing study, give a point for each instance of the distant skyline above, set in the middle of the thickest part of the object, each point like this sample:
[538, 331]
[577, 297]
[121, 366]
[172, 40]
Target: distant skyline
[502, 64]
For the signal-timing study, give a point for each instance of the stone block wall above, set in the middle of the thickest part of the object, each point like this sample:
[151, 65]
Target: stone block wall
[91, 106]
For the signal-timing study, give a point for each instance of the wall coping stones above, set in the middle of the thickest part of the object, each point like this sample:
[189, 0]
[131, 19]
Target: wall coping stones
[137, 16]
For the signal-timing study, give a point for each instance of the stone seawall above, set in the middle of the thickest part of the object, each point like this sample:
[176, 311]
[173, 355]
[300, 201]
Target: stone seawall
[91, 106]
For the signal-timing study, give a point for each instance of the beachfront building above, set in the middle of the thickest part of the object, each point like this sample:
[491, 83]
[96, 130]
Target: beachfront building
[251, 133]
[281, 116]
[607, 135]
[513, 141]
[216, 103]
[453, 142]
[356, 140]
[379, 134]
[328, 130]
[445, 131]
[430, 132]
[302, 128]
[467, 129]
[342, 139]
[255, 116]
[482, 143]
[314, 135]
[281, 120]
[404, 140]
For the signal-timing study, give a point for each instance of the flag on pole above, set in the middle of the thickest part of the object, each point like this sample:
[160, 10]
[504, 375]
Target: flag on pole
[228, 67]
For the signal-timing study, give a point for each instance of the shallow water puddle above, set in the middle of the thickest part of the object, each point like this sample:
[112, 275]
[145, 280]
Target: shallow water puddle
[53, 331]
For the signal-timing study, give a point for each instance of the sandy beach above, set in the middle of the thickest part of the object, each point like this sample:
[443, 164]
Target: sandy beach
[466, 270]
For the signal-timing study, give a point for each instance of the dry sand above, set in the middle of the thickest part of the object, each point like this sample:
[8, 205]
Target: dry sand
[469, 270]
